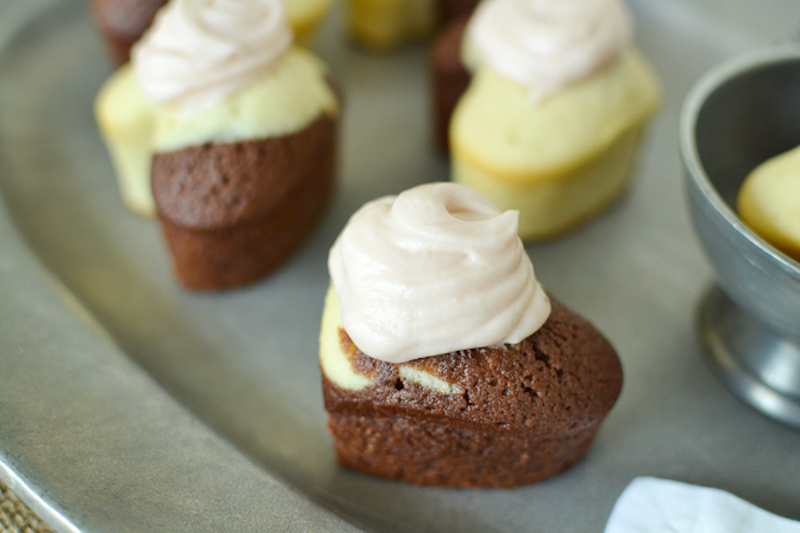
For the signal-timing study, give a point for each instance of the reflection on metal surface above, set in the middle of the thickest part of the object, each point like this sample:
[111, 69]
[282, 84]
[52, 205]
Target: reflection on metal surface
[754, 363]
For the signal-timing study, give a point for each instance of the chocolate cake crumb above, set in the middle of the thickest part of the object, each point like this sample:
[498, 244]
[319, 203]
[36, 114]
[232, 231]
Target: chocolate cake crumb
[527, 411]
[233, 212]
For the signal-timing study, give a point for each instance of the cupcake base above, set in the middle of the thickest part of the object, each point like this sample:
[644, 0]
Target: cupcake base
[499, 416]
[233, 212]
[436, 452]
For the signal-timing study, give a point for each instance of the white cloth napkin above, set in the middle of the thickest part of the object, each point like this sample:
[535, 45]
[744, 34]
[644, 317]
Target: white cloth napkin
[652, 505]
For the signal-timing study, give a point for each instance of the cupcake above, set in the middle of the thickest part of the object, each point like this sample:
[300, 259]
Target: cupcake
[552, 120]
[241, 126]
[123, 22]
[127, 120]
[769, 202]
[444, 362]
[386, 24]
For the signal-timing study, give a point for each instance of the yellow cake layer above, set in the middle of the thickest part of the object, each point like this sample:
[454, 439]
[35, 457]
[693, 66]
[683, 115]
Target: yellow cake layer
[305, 16]
[291, 96]
[769, 202]
[384, 24]
[286, 100]
[499, 129]
[549, 208]
[336, 364]
[126, 119]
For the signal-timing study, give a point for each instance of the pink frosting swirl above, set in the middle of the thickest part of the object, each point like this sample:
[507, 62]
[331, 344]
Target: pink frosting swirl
[548, 44]
[199, 51]
[437, 269]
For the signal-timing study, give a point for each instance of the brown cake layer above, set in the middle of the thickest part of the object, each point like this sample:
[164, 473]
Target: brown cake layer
[122, 23]
[233, 212]
[526, 412]
[449, 79]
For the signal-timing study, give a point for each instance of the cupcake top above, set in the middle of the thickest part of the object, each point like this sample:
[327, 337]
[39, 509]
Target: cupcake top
[548, 44]
[199, 51]
[437, 269]
[219, 71]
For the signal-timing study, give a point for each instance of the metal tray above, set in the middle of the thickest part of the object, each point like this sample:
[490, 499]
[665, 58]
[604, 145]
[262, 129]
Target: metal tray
[128, 404]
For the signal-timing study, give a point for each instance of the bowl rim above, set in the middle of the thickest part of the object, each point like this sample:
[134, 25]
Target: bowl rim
[697, 96]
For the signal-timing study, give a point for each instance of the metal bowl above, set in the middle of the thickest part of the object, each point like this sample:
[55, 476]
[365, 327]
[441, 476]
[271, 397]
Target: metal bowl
[737, 116]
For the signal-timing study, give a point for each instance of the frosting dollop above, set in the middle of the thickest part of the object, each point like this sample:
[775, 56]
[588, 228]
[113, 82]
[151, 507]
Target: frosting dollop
[548, 44]
[199, 51]
[437, 269]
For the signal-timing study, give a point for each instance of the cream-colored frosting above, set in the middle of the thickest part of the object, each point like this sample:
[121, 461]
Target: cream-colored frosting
[437, 269]
[548, 44]
[199, 51]
[290, 97]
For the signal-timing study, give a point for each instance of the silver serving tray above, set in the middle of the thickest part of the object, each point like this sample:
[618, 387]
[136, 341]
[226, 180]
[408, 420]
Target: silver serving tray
[128, 404]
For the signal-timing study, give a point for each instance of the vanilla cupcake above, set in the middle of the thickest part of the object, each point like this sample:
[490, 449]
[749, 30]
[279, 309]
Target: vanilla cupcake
[769, 202]
[553, 118]
[123, 22]
[386, 24]
[240, 126]
[444, 362]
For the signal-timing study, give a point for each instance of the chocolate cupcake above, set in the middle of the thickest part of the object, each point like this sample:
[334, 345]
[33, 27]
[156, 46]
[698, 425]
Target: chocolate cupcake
[233, 212]
[242, 137]
[444, 362]
[452, 10]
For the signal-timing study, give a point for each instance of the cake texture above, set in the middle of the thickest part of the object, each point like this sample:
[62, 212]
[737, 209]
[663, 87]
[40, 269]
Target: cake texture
[769, 202]
[552, 120]
[233, 212]
[444, 362]
[510, 415]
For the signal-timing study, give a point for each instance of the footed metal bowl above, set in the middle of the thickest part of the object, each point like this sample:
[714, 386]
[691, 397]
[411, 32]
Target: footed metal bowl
[737, 116]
